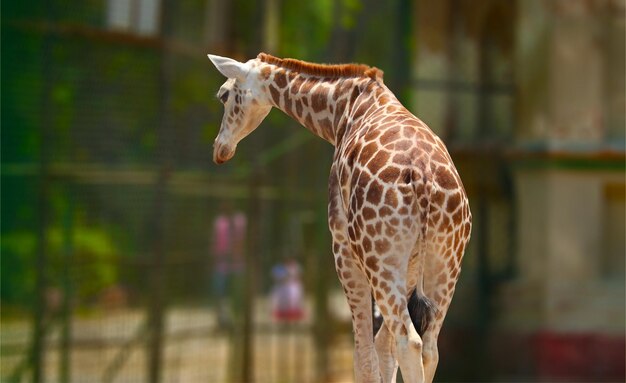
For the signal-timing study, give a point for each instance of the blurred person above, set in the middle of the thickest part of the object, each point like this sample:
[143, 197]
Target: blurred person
[287, 296]
[53, 299]
[113, 297]
[239, 226]
[228, 252]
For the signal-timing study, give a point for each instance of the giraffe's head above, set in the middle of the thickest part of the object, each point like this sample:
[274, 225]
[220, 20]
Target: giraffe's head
[245, 106]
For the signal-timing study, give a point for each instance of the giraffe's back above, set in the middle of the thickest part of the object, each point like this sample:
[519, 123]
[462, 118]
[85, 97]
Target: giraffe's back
[391, 150]
[401, 191]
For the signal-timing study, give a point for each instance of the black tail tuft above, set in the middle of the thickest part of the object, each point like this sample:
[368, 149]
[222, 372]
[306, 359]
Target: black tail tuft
[422, 311]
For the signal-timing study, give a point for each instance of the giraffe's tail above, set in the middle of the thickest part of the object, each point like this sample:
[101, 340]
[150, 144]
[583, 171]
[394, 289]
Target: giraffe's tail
[422, 311]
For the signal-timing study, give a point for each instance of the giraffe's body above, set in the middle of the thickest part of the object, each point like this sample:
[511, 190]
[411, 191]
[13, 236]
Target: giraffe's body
[398, 213]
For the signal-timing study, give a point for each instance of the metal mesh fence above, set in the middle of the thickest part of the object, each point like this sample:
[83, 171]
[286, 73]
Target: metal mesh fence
[110, 206]
[108, 221]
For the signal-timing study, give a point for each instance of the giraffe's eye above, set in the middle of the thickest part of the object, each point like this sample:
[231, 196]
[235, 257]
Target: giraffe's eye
[224, 97]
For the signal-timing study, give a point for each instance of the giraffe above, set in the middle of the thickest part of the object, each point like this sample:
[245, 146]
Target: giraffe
[398, 212]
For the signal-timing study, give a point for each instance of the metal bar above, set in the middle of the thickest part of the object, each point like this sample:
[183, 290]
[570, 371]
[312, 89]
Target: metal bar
[22, 366]
[116, 364]
[176, 336]
[157, 224]
[41, 262]
[181, 183]
[93, 34]
[251, 269]
[403, 51]
[66, 311]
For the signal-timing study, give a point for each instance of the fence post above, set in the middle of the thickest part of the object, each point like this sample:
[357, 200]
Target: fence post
[250, 283]
[41, 261]
[156, 311]
[322, 324]
[66, 313]
[157, 224]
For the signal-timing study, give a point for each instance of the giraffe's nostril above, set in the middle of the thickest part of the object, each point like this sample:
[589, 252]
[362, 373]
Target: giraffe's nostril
[224, 151]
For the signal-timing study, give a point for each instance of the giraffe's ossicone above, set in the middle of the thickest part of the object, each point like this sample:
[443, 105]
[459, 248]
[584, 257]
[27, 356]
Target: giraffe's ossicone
[398, 212]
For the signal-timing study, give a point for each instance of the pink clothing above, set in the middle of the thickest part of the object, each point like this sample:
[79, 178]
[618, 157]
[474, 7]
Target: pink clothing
[221, 236]
[228, 246]
[239, 224]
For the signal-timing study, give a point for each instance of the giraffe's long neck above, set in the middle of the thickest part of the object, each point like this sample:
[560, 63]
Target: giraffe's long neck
[325, 106]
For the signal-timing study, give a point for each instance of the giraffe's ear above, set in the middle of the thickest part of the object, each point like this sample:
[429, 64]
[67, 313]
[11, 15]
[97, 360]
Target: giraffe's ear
[228, 67]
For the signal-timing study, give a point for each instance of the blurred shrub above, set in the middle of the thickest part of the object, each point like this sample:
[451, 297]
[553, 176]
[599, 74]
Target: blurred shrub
[92, 264]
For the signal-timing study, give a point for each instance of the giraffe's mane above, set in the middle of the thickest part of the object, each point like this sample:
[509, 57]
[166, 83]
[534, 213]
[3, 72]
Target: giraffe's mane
[323, 70]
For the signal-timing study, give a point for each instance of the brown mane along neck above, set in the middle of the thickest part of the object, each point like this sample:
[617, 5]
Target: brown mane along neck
[323, 70]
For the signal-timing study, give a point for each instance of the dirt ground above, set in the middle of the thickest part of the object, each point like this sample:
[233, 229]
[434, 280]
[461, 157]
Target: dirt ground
[110, 346]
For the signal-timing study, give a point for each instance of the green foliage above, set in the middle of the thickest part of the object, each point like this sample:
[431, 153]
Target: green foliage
[110, 94]
[352, 7]
[306, 41]
[91, 263]
[18, 260]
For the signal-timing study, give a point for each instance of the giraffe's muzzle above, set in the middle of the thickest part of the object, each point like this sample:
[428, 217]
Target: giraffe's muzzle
[222, 153]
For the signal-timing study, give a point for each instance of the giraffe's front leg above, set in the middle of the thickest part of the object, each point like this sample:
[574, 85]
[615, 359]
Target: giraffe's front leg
[386, 355]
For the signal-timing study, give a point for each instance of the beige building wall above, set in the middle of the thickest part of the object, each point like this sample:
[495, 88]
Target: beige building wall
[563, 284]
[570, 72]
[564, 151]
[569, 171]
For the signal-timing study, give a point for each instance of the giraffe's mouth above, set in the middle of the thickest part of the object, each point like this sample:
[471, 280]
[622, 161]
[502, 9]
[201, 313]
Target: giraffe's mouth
[222, 153]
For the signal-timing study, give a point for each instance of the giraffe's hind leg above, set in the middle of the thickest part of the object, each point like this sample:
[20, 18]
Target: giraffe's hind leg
[444, 264]
[430, 355]
[398, 336]
[422, 312]
[358, 293]
[356, 288]
[407, 342]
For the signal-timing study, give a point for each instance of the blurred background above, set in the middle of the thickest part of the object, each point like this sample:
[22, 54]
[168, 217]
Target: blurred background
[128, 256]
